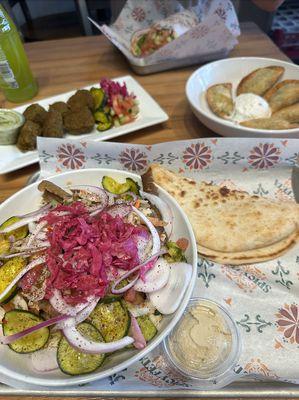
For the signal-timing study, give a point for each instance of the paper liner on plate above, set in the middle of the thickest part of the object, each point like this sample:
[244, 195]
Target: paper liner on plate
[208, 28]
[262, 298]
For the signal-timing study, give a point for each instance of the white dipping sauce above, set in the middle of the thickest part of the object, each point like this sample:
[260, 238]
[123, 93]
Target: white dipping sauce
[250, 106]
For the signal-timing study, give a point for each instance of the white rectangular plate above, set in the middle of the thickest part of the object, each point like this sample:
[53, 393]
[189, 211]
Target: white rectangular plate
[11, 158]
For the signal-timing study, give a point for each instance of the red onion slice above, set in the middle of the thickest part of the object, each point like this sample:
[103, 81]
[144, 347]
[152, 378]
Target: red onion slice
[155, 279]
[156, 239]
[139, 340]
[32, 264]
[137, 268]
[43, 209]
[26, 332]
[121, 210]
[45, 360]
[22, 222]
[58, 303]
[38, 228]
[94, 193]
[164, 209]
[84, 345]
[80, 317]
[26, 253]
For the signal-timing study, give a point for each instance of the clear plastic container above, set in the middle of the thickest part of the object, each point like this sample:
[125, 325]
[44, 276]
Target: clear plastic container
[210, 362]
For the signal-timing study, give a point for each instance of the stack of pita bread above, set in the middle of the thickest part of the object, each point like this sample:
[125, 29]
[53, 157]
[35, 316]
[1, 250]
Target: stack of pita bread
[231, 227]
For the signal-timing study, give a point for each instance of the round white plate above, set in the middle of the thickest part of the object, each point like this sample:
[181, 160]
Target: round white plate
[17, 366]
[232, 70]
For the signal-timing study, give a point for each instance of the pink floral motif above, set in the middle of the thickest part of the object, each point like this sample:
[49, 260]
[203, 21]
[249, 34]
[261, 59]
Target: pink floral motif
[256, 366]
[288, 322]
[221, 13]
[199, 32]
[265, 155]
[70, 156]
[133, 159]
[138, 14]
[197, 156]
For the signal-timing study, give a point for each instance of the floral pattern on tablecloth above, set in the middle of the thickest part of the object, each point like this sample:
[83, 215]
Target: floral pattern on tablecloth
[262, 298]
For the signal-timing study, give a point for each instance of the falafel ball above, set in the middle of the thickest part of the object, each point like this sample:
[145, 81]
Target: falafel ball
[79, 122]
[82, 98]
[35, 113]
[59, 106]
[27, 136]
[53, 125]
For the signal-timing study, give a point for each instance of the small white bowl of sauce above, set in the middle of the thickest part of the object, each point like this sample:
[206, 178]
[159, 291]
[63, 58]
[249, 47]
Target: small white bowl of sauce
[204, 345]
[10, 123]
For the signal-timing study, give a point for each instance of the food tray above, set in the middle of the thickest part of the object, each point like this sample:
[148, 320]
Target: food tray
[239, 389]
[178, 63]
[220, 152]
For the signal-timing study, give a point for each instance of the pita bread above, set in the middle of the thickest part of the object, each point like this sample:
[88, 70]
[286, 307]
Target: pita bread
[231, 225]
[250, 256]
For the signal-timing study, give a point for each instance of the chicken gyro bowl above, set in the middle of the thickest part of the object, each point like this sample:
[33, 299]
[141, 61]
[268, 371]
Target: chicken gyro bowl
[94, 274]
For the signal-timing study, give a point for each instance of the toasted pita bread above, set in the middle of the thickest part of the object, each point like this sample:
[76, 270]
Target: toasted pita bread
[228, 224]
[260, 80]
[250, 256]
[220, 99]
[283, 94]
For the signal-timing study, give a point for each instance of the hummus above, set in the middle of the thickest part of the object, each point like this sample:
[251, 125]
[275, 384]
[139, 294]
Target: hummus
[202, 340]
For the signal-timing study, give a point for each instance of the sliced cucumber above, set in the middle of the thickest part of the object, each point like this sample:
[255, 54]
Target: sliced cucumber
[17, 321]
[8, 272]
[134, 187]
[4, 244]
[19, 233]
[148, 329]
[98, 95]
[112, 320]
[110, 297]
[74, 362]
[112, 186]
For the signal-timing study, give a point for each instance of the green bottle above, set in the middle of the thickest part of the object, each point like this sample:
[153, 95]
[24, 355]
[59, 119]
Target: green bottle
[16, 79]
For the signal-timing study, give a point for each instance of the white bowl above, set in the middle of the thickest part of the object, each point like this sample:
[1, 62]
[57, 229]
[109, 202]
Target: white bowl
[17, 366]
[232, 70]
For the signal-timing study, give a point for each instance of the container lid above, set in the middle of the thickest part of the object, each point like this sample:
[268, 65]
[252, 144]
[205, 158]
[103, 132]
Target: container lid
[205, 344]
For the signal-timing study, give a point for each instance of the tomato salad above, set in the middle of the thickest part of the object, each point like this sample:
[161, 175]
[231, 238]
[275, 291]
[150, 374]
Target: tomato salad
[114, 105]
[91, 272]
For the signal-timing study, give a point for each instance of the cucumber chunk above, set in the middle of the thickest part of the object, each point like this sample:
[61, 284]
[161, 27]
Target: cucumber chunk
[8, 272]
[74, 362]
[17, 321]
[148, 329]
[19, 233]
[112, 320]
[112, 186]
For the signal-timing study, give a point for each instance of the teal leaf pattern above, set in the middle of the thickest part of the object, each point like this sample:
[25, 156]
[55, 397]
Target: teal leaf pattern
[282, 273]
[261, 191]
[204, 273]
[103, 158]
[233, 158]
[259, 323]
[168, 158]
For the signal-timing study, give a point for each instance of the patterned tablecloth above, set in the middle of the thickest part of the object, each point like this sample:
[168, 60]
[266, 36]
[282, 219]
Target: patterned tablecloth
[262, 298]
